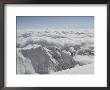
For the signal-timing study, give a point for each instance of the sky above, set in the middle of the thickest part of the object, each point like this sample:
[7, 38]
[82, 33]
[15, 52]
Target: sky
[34, 22]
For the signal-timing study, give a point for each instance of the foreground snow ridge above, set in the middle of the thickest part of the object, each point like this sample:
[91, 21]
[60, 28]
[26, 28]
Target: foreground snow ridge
[55, 52]
[86, 69]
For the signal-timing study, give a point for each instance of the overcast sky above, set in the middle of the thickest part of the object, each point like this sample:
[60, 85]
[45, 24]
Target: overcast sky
[34, 22]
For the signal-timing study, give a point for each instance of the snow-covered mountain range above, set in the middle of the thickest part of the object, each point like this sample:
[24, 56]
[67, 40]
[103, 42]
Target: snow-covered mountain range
[55, 51]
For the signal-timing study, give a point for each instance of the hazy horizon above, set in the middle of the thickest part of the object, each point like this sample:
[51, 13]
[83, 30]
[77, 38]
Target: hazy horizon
[35, 22]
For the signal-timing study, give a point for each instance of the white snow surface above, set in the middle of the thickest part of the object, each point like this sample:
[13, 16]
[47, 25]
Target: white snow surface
[86, 69]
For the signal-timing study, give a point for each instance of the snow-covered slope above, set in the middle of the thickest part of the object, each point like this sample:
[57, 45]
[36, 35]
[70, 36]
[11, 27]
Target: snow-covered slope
[86, 69]
[52, 50]
[24, 65]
